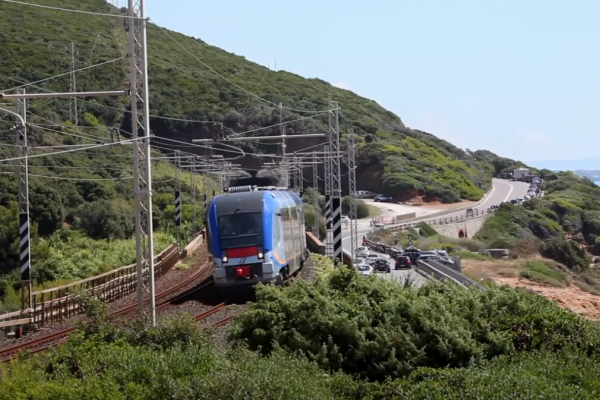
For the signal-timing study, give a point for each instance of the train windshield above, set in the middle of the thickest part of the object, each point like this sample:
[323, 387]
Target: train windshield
[240, 229]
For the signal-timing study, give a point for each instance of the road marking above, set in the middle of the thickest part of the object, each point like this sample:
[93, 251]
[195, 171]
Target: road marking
[510, 191]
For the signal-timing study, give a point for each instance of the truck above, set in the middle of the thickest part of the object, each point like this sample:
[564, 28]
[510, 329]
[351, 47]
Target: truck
[519, 174]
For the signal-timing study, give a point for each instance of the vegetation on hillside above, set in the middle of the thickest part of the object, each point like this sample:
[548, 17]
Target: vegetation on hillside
[501, 164]
[569, 209]
[376, 329]
[406, 342]
[406, 162]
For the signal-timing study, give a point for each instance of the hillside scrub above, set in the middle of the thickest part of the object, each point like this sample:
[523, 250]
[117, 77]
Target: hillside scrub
[375, 328]
[404, 161]
[570, 209]
[177, 361]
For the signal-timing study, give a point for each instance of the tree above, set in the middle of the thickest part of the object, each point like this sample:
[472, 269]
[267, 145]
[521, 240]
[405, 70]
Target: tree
[107, 219]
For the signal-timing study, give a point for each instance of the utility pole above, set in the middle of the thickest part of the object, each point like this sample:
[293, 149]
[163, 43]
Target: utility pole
[23, 202]
[194, 190]
[315, 168]
[300, 175]
[328, 239]
[178, 200]
[73, 88]
[142, 177]
[336, 188]
[284, 170]
[352, 188]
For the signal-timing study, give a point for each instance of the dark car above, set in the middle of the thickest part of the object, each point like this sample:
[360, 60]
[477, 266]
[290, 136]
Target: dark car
[383, 198]
[381, 265]
[403, 262]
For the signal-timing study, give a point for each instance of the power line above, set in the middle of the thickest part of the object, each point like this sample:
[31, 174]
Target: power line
[72, 10]
[233, 83]
[276, 125]
[60, 75]
[2, 160]
[114, 108]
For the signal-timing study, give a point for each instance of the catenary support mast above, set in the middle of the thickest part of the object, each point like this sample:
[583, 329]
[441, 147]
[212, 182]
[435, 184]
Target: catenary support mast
[336, 188]
[142, 177]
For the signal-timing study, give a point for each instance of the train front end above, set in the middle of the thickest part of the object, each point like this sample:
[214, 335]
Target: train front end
[240, 227]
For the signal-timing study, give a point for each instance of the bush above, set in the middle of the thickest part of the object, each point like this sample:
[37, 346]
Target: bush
[540, 272]
[376, 328]
[107, 219]
[426, 230]
[568, 253]
[362, 209]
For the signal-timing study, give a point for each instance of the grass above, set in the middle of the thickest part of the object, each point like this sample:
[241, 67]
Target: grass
[541, 272]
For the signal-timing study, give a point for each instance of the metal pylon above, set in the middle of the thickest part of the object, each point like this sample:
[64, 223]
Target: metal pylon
[142, 177]
[336, 188]
[352, 188]
[23, 203]
[327, 177]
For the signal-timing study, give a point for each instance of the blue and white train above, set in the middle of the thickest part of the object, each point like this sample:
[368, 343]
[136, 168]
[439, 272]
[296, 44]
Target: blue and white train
[256, 234]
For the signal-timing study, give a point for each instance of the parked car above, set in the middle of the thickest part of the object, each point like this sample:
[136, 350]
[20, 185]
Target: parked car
[469, 212]
[383, 198]
[382, 265]
[443, 254]
[365, 194]
[403, 262]
[345, 219]
[364, 270]
[362, 252]
[358, 261]
[372, 257]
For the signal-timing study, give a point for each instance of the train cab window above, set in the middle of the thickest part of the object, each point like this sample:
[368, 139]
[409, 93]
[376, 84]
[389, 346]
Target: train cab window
[240, 224]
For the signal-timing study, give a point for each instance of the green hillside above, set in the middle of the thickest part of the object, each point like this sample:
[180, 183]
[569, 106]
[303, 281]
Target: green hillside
[182, 87]
[83, 200]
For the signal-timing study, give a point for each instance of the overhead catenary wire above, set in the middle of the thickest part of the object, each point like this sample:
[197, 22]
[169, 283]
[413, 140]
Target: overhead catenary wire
[24, 83]
[3, 160]
[233, 83]
[61, 75]
[73, 10]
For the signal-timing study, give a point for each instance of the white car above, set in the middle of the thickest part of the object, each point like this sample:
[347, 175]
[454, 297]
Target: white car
[345, 219]
[362, 252]
[365, 270]
[372, 257]
[358, 261]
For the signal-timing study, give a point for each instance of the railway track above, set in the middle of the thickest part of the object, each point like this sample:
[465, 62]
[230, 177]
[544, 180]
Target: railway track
[44, 343]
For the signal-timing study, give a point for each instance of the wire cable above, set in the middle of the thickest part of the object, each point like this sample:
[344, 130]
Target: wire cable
[3, 160]
[61, 75]
[72, 10]
[276, 125]
[233, 83]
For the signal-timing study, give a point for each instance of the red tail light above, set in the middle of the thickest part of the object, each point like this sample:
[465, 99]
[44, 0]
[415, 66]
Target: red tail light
[242, 272]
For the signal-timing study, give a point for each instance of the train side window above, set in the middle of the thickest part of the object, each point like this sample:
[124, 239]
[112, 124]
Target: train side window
[276, 228]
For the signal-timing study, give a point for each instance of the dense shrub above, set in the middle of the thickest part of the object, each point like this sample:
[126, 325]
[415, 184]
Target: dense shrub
[426, 230]
[177, 361]
[567, 253]
[362, 209]
[376, 328]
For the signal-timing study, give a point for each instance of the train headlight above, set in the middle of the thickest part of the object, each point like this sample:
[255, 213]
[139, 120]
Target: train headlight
[224, 259]
[261, 255]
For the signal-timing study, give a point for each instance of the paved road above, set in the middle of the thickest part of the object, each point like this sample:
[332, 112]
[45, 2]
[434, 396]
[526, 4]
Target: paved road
[502, 190]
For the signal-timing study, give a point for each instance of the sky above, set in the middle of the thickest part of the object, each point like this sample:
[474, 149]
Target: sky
[517, 77]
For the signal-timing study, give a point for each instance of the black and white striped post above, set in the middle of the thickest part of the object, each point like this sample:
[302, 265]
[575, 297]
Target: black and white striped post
[23, 202]
[178, 217]
[336, 204]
